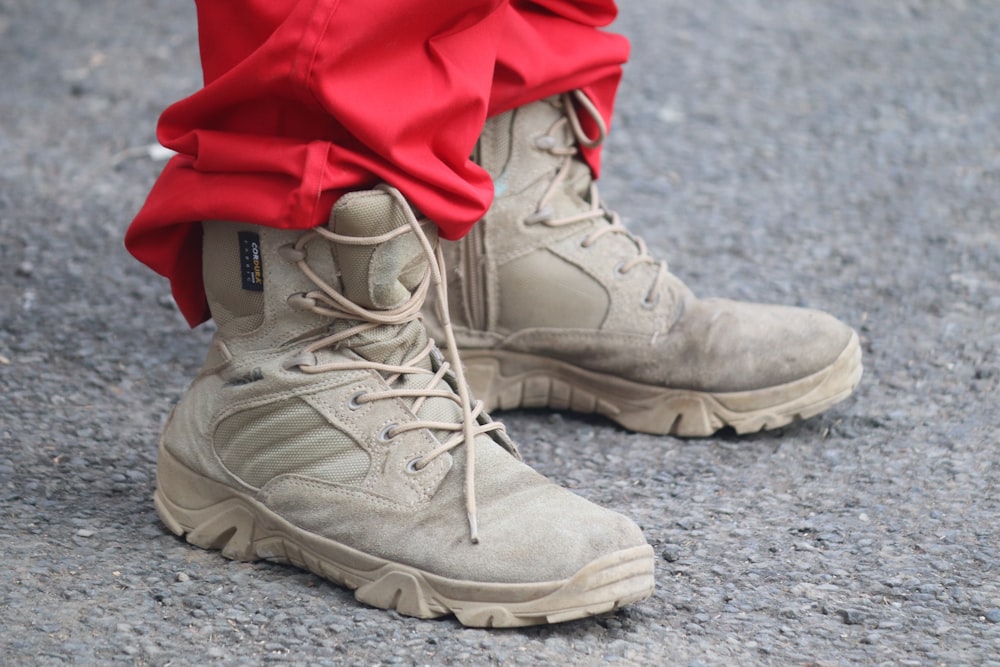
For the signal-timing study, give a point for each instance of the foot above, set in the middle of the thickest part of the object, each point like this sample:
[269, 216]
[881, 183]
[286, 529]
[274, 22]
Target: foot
[325, 430]
[555, 304]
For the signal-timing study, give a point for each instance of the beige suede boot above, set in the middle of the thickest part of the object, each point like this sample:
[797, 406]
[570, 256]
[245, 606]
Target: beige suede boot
[556, 305]
[326, 430]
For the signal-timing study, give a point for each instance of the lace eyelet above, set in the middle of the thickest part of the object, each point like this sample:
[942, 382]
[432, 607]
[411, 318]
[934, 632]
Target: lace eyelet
[413, 465]
[649, 304]
[300, 301]
[300, 361]
[619, 273]
[354, 404]
[541, 216]
[384, 435]
[291, 254]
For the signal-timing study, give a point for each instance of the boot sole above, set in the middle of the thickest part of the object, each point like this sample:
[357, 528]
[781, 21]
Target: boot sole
[509, 380]
[214, 516]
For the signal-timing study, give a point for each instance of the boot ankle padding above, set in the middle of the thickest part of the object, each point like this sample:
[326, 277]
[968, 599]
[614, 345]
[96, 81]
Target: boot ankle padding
[232, 306]
[260, 318]
[493, 151]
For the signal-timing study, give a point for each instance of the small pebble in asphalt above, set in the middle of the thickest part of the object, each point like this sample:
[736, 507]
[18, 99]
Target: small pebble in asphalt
[851, 616]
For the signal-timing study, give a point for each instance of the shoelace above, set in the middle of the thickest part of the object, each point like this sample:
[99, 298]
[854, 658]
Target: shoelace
[598, 211]
[328, 302]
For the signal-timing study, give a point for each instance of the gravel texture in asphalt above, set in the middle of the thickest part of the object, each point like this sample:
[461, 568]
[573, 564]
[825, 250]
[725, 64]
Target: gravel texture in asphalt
[843, 155]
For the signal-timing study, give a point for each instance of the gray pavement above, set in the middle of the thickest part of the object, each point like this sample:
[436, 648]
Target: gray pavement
[843, 155]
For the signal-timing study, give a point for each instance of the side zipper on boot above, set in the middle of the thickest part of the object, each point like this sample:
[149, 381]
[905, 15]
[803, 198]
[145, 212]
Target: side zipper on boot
[472, 262]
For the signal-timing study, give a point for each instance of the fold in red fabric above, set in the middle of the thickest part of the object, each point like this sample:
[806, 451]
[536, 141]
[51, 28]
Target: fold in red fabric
[305, 100]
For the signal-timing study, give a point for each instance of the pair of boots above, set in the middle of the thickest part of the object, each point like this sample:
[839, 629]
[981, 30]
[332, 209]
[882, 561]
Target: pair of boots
[326, 430]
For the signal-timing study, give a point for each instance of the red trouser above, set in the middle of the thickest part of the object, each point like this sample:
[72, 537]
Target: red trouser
[305, 100]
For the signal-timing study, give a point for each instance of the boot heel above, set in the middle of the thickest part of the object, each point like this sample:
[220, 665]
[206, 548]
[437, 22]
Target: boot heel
[204, 512]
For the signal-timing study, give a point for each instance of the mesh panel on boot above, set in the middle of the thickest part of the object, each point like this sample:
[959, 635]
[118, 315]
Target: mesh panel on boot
[261, 443]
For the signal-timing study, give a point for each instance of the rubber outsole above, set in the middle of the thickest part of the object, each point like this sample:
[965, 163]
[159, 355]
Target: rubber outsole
[510, 380]
[215, 516]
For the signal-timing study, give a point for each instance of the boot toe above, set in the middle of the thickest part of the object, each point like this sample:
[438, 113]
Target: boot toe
[747, 346]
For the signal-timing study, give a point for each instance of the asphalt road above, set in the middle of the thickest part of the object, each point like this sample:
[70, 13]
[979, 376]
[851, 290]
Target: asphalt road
[843, 155]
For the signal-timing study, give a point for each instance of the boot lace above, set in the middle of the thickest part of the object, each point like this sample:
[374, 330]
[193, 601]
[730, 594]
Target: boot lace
[544, 213]
[328, 302]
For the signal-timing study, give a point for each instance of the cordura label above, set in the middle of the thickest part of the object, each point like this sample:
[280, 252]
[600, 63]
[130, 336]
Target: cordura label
[251, 263]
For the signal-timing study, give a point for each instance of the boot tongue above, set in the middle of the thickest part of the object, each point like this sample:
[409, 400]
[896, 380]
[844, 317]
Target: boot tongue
[382, 276]
[377, 276]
